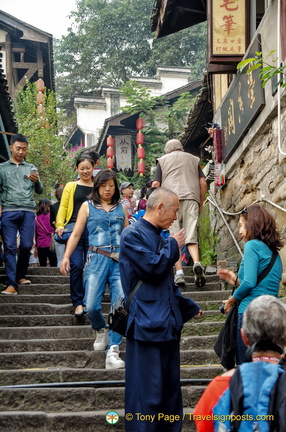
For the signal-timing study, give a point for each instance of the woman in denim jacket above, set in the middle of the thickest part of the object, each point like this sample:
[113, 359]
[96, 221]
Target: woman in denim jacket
[105, 219]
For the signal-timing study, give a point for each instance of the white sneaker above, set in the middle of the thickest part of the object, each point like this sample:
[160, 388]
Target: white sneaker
[113, 361]
[179, 279]
[100, 342]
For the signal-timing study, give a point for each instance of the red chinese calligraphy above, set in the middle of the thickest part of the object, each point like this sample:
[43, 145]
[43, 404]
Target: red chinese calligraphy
[228, 19]
[227, 4]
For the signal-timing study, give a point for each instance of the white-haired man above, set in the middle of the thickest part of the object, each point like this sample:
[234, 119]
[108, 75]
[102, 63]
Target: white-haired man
[180, 171]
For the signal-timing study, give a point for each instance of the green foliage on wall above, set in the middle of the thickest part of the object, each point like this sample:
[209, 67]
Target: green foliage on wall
[208, 240]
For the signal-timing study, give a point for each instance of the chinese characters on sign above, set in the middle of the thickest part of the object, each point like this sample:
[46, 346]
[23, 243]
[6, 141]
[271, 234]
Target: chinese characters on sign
[244, 101]
[123, 152]
[228, 27]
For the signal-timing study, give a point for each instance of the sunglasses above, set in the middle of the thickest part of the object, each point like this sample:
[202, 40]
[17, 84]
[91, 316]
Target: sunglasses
[244, 210]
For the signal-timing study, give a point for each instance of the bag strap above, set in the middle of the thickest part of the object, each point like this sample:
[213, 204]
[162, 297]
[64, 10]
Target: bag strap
[139, 283]
[131, 295]
[41, 226]
[265, 272]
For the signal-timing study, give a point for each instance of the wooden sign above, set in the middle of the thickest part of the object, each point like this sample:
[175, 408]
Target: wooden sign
[229, 30]
[241, 106]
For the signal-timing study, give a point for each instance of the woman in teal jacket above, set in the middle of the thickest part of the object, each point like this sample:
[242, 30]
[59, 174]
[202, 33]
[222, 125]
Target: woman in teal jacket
[258, 230]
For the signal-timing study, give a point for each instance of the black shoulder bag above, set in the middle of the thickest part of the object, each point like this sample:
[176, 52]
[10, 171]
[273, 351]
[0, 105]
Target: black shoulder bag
[224, 346]
[118, 315]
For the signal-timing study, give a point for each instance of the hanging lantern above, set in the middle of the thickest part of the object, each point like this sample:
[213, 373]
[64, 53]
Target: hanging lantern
[109, 163]
[141, 153]
[141, 167]
[140, 150]
[40, 109]
[110, 141]
[140, 138]
[110, 152]
[139, 124]
[40, 85]
[40, 98]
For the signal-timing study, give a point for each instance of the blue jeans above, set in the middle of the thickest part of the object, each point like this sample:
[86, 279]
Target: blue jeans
[60, 250]
[12, 222]
[77, 261]
[240, 345]
[99, 272]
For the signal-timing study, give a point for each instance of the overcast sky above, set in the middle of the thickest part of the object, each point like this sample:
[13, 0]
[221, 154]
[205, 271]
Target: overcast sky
[49, 16]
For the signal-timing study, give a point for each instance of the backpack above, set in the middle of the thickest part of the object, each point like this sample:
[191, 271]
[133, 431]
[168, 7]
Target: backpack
[255, 400]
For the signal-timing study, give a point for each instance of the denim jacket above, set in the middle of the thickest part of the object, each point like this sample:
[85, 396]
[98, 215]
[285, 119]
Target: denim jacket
[105, 228]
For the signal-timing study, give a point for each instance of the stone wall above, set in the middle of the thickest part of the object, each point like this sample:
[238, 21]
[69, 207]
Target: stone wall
[259, 173]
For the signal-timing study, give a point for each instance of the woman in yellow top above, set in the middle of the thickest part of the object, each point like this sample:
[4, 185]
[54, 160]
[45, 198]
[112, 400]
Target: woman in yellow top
[74, 194]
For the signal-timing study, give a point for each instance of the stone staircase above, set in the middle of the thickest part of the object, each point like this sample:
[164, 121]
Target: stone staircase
[51, 379]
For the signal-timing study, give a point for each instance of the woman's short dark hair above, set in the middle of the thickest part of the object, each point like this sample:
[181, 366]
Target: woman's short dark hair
[261, 225]
[82, 158]
[43, 206]
[102, 177]
[58, 193]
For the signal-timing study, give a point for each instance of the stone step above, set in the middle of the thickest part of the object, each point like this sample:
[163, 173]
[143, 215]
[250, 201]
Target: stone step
[48, 305]
[57, 299]
[211, 312]
[76, 399]
[188, 271]
[64, 288]
[202, 328]
[61, 374]
[48, 332]
[41, 320]
[74, 344]
[35, 289]
[87, 358]
[33, 345]
[69, 320]
[35, 421]
[42, 279]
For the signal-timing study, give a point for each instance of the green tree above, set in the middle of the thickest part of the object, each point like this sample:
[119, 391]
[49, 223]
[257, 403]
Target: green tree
[162, 121]
[110, 41]
[45, 144]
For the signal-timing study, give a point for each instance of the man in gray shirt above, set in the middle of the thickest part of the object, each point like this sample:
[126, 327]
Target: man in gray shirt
[180, 172]
[18, 181]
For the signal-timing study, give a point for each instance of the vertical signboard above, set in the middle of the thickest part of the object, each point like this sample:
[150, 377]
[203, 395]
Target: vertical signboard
[242, 105]
[123, 152]
[228, 30]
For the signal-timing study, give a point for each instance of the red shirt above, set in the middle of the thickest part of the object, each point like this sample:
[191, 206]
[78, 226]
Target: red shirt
[207, 401]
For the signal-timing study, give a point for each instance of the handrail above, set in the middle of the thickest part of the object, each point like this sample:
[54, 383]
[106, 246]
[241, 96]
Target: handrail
[222, 212]
[214, 203]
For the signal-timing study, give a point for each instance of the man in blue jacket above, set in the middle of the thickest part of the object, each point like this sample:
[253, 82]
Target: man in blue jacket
[153, 400]
[18, 181]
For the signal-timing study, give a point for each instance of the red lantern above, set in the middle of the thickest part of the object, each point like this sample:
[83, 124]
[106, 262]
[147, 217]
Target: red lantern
[109, 163]
[140, 138]
[139, 124]
[141, 167]
[141, 153]
[110, 141]
[40, 98]
[40, 85]
[110, 152]
[40, 109]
